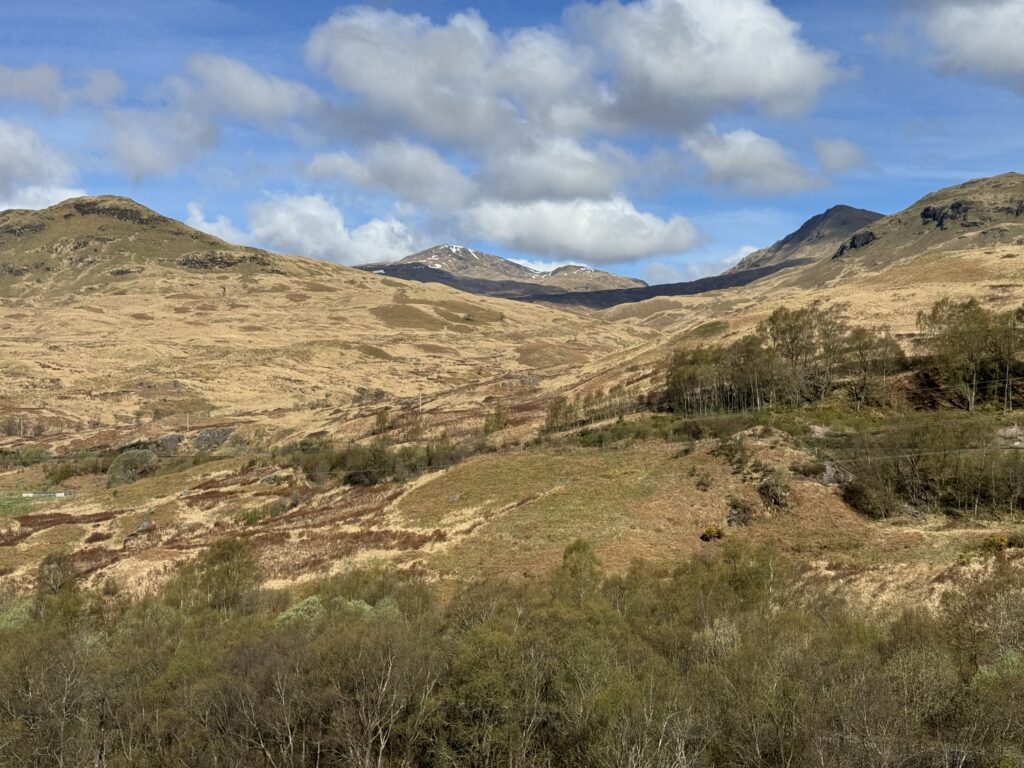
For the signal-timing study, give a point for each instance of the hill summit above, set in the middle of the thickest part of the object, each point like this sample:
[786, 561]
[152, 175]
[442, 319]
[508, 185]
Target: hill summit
[477, 272]
[816, 239]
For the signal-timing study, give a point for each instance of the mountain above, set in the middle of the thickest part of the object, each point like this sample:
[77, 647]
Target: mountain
[110, 312]
[934, 237]
[816, 239]
[964, 241]
[248, 372]
[477, 272]
[979, 214]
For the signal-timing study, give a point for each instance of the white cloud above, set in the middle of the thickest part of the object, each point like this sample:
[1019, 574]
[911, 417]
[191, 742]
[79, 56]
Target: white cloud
[414, 173]
[100, 87]
[232, 87]
[840, 156]
[32, 174]
[458, 82]
[678, 61]
[149, 143]
[541, 266]
[981, 37]
[40, 85]
[663, 272]
[310, 225]
[36, 197]
[220, 227]
[751, 163]
[44, 86]
[664, 64]
[593, 231]
[555, 168]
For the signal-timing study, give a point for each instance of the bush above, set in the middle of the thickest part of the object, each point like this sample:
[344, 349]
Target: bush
[808, 468]
[712, 533]
[871, 498]
[774, 490]
[741, 512]
[703, 481]
[495, 421]
[130, 466]
[734, 451]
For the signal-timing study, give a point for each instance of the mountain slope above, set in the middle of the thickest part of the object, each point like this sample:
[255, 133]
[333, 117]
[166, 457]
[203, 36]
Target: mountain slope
[965, 241]
[477, 272]
[979, 215]
[817, 238]
[115, 316]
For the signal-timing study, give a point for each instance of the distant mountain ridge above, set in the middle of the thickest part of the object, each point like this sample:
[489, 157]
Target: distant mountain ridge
[484, 273]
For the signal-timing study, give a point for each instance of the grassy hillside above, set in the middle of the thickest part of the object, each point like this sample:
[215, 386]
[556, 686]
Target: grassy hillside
[332, 417]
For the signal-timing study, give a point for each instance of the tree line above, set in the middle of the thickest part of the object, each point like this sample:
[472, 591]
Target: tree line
[736, 658]
[799, 356]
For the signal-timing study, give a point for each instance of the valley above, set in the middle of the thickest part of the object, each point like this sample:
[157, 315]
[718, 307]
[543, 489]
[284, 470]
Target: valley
[124, 330]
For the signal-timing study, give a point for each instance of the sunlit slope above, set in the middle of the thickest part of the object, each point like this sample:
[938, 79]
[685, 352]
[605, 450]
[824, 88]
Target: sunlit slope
[111, 314]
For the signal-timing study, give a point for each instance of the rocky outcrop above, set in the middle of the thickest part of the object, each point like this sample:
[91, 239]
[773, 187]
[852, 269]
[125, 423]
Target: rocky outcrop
[859, 240]
[209, 260]
[117, 208]
[212, 438]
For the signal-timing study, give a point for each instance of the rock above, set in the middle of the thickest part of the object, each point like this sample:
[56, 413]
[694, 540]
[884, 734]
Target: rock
[168, 444]
[212, 438]
[859, 240]
[144, 536]
[226, 260]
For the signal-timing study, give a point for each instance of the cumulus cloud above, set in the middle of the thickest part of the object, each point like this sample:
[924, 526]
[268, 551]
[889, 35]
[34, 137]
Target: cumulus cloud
[40, 85]
[554, 169]
[32, 174]
[541, 266]
[678, 61]
[458, 81]
[184, 121]
[594, 231]
[219, 227]
[414, 173]
[310, 225]
[44, 86]
[840, 156]
[664, 272]
[980, 37]
[663, 64]
[749, 162]
[149, 143]
[232, 87]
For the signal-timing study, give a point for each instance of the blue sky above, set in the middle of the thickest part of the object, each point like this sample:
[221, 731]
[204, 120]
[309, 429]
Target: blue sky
[656, 138]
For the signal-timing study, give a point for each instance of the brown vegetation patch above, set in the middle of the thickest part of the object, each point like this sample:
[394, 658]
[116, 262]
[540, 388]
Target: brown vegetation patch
[407, 316]
[42, 521]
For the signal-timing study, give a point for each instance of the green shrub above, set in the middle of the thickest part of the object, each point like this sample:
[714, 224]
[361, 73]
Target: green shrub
[130, 466]
[495, 421]
[303, 612]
